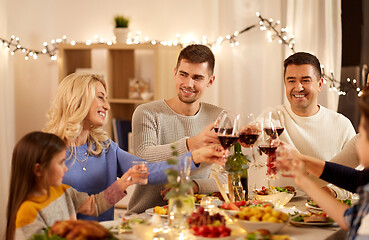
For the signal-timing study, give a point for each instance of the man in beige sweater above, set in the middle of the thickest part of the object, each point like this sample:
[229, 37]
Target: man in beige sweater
[183, 120]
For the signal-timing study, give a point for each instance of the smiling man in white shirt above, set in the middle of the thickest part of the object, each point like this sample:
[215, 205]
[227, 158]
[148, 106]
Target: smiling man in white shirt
[313, 129]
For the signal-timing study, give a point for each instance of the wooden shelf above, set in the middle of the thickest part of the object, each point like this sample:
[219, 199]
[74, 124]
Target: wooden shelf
[123, 62]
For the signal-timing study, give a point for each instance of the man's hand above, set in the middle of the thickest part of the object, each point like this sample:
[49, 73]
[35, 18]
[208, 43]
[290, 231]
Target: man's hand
[205, 138]
[211, 154]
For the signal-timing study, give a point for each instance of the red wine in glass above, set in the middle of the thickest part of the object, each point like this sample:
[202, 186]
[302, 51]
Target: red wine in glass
[249, 139]
[225, 131]
[267, 149]
[272, 132]
[279, 130]
[227, 141]
[271, 168]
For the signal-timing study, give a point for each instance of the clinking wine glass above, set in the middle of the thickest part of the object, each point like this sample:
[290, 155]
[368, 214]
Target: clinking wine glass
[268, 145]
[228, 130]
[279, 123]
[220, 118]
[249, 134]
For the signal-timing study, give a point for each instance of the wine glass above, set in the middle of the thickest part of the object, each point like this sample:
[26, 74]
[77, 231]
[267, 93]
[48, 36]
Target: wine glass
[279, 123]
[249, 134]
[228, 130]
[268, 144]
[220, 117]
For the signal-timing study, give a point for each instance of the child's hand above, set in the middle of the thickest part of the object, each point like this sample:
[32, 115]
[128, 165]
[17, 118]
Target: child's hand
[130, 177]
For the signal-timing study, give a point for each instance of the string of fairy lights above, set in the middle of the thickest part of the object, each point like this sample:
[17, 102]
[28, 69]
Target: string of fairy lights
[272, 27]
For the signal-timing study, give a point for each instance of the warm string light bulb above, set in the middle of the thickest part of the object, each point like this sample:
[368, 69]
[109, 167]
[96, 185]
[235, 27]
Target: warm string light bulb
[271, 25]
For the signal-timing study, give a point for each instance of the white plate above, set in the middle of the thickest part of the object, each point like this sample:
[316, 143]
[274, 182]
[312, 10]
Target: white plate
[299, 194]
[289, 210]
[304, 224]
[113, 226]
[313, 209]
[150, 211]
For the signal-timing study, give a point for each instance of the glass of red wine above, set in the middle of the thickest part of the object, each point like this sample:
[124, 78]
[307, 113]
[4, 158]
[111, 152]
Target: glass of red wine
[268, 144]
[228, 130]
[279, 123]
[220, 118]
[249, 134]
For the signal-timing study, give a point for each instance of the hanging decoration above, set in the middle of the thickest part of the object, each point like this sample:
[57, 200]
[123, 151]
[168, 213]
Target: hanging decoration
[273, 33]
[273, 29]
[13, 45]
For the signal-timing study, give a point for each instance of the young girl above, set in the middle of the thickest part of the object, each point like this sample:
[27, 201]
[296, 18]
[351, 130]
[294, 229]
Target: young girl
[356, 218]
[77, 115]
[38, 198]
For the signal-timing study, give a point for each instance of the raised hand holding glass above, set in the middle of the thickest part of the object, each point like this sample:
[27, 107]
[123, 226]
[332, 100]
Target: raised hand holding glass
[249, 134]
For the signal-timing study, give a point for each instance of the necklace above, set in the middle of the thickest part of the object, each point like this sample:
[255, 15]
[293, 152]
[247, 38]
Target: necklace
[83, 162]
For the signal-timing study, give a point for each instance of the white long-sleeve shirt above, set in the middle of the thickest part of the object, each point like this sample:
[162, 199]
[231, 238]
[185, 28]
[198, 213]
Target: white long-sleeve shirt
[322, 135]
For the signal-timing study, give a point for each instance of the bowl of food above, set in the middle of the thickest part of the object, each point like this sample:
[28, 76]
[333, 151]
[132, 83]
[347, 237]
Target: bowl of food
[254, 218]
[265, 234]
[278, 196]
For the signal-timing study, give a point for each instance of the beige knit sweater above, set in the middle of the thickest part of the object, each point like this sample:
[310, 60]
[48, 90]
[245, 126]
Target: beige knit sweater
[155, 128]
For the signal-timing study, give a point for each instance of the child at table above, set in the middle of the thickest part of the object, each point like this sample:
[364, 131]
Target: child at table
[37, 197]
[356, 218]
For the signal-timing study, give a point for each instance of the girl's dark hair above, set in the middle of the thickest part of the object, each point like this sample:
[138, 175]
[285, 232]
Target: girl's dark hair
[35, 147]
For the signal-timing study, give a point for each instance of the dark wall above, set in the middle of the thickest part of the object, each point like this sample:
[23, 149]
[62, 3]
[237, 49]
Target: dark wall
[352, 24]
[355, 46]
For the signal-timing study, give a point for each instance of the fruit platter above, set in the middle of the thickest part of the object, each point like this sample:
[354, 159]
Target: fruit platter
[254, 218]
[236, 206]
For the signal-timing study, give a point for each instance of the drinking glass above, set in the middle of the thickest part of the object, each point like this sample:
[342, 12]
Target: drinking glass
[249, 134]
[220, 117]
[228, 130]
[279, 123]
[285, 153]
[141, 168]
[268, 145]
[184, 167]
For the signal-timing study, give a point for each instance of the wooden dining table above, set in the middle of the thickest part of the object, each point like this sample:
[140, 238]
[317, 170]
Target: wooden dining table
[294, 232]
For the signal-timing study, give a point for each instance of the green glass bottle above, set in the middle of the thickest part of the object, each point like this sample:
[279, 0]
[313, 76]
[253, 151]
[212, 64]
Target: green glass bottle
[237, 165]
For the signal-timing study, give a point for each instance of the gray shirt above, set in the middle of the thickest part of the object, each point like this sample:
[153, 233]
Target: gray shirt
[155, 128]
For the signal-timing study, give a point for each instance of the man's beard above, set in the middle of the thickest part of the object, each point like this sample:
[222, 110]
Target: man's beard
[187, 100]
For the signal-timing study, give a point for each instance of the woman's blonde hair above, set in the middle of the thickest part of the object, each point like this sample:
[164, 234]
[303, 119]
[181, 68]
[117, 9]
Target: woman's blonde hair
[73, 100]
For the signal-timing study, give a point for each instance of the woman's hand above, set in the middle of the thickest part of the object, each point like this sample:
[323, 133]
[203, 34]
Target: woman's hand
[212, 154]
[285, 155]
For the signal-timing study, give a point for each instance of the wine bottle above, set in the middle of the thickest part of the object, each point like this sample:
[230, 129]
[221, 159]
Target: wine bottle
[237, 165]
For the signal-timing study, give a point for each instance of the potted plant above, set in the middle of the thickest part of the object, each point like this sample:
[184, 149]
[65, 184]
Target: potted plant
[121, 28]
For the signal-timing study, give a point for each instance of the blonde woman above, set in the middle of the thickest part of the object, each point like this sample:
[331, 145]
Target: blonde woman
[77, 115]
